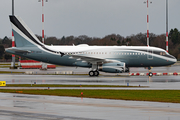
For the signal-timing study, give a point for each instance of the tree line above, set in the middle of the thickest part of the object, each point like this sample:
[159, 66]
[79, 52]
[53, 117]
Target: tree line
[109, 40]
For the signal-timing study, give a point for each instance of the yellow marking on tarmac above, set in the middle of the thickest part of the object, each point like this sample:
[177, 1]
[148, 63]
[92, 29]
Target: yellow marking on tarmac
[2, 83]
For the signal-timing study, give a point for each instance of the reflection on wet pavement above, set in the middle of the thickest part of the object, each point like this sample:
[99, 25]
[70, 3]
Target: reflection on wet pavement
[41, 107]
[168, 82]
[38, 107]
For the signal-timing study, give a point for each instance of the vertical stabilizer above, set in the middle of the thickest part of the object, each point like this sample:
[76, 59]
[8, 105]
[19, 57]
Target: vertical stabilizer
[23, 36]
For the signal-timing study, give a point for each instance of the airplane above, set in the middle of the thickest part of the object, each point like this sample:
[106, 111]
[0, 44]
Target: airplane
[110, 59]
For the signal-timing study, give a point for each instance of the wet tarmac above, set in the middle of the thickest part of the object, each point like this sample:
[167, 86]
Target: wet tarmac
[156, 82]
[77, 70]
[41, 107]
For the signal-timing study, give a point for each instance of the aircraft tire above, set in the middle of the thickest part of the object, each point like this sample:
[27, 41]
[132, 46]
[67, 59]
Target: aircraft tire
[96, 73]
[150, 74]
[91, 73]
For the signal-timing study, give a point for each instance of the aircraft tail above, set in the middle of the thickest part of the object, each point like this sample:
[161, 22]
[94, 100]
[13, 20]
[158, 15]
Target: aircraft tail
[23, 36]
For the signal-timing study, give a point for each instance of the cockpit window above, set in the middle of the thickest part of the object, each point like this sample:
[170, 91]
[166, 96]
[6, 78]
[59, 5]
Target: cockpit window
[162, 53]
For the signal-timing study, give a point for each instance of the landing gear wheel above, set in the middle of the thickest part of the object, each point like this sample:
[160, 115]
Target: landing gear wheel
[91, 73]
[96, 73]
[150, 74]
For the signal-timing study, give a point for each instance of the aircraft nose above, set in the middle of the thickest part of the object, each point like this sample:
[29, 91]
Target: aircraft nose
[174, 59]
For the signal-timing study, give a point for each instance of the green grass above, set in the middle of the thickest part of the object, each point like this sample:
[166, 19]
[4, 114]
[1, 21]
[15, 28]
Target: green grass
[54, 85]
[172, 96]
[4, 66]
[8, 64]
[8, 72]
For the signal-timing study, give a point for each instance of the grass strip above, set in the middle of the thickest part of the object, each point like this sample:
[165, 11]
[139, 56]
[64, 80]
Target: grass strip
[5, 72]
[172, 96]
[8, 64]
[58, 85]
[4, 66]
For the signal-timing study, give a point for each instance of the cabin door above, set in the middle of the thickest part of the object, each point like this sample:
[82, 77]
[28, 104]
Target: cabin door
[149, 54]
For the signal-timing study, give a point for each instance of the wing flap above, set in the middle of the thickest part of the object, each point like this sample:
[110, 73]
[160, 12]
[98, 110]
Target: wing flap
[91, 59]
[88, 59]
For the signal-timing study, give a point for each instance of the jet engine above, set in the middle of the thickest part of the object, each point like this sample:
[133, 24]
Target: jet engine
[117, 67]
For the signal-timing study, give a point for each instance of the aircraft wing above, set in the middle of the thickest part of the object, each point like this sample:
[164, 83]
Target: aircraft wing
[91, 59]
[16, 50]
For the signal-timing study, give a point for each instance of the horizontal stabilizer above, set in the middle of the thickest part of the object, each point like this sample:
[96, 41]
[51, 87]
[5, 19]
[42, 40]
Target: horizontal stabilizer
[17, 50]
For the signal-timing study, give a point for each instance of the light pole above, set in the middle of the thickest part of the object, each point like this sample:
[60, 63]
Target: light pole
[42, 18]
[44, 65]
[12, 7]
[13, 43]
[167, 25]
[147, 22]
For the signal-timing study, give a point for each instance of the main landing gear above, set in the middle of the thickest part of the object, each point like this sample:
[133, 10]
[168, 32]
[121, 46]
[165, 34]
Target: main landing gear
[94, 70]
[93, 73]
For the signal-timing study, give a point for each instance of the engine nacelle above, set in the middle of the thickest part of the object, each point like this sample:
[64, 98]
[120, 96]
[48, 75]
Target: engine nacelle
[118, 67]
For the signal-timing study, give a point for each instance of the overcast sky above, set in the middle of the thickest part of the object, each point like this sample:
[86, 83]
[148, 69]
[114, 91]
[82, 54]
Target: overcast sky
[94, 18]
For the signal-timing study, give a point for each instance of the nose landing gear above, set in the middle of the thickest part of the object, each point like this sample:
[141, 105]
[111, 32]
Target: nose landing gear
[150, 73]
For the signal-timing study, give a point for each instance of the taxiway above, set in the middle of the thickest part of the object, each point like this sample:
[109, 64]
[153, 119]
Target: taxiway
[38, 107]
